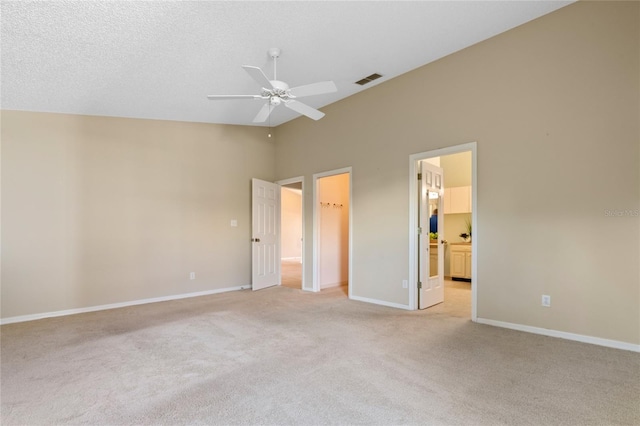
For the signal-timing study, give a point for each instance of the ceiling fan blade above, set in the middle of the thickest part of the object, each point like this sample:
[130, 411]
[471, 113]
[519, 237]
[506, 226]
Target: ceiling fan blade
[257, 74]
[216, 97]
[304, 109]
[264, 112]
[314, 89]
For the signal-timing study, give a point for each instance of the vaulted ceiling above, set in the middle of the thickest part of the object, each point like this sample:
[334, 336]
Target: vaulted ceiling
[159, 59]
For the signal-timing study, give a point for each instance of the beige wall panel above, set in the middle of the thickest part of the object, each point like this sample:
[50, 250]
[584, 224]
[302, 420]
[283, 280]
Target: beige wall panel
[100, 210]
[554, 107]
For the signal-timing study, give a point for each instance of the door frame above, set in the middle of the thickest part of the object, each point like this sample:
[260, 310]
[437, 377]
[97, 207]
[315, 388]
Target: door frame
[413, 220]
[297, 179]
[316, 225]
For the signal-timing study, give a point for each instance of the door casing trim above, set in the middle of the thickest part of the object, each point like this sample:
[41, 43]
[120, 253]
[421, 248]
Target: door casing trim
[413, 219]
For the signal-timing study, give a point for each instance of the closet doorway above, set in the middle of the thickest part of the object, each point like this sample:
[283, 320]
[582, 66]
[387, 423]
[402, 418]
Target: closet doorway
[332, 218]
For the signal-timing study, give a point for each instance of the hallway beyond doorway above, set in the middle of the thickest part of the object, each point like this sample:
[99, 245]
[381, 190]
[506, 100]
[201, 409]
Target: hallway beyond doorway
[291, 270]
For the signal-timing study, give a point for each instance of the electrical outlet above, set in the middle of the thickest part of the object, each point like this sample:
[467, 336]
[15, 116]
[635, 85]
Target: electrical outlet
[405, 284]
[192, 275]
[546, 300]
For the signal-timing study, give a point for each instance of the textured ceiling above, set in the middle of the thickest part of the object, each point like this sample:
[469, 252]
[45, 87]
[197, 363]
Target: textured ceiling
[159, 59]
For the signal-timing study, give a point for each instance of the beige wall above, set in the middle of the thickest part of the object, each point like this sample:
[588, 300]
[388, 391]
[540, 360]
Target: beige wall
[100, 210]
[333, 230]
[553, 106]
[291, 223]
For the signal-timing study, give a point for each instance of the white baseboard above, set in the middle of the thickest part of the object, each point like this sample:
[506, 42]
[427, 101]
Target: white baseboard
[33, 317]
[333, 285]
[563, 335]
[299, 259]
[380, 302]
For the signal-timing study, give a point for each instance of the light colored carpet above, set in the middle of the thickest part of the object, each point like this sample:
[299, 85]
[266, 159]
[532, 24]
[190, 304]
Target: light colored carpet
[282, 356]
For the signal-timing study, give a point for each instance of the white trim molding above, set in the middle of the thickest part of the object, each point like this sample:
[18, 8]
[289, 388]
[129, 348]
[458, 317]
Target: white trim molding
[380, 302]
[562, 335]
[334, 285]
[33, 317]
[413, 220]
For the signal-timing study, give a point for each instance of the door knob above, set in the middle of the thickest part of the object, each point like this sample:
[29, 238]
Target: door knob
[255, 240]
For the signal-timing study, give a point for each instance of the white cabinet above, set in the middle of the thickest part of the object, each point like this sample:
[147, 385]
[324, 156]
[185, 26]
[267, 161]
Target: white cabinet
[457, 199]
[460, 261]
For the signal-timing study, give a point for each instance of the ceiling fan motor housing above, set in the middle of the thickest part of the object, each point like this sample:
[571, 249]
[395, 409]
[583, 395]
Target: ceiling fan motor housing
[278, 93]
[279, 87]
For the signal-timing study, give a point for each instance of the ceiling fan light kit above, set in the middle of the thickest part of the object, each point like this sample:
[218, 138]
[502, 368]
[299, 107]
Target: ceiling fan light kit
[277, 92]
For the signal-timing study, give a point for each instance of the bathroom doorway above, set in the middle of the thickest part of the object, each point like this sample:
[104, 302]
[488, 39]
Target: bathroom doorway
[460, 209]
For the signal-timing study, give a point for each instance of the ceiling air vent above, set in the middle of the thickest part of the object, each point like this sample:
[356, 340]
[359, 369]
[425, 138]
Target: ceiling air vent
[368, 79]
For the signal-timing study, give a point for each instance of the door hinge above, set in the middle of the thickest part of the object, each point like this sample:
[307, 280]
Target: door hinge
[419, 176]
[419, 285]
[419, 230]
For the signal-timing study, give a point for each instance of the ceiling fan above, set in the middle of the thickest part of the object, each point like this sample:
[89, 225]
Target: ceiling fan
[277, 92]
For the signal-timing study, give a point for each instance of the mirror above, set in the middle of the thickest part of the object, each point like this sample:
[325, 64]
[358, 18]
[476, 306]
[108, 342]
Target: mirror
[434, 199]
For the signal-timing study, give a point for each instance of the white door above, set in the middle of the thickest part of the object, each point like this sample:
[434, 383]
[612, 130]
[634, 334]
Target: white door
[265, 252]
[431, 257]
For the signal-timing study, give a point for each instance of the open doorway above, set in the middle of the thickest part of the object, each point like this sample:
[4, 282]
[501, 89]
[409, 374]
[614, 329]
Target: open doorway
[291, 233]
[454, 232]
[457, 232]
[332, 231]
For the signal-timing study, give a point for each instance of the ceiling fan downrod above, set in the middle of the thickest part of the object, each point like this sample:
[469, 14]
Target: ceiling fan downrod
[274, 52]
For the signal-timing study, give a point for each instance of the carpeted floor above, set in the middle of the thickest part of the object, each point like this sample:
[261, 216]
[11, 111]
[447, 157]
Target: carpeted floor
[282, 356]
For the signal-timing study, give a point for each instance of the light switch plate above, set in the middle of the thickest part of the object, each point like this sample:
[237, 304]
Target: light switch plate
[546, 300]
[234, 223]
